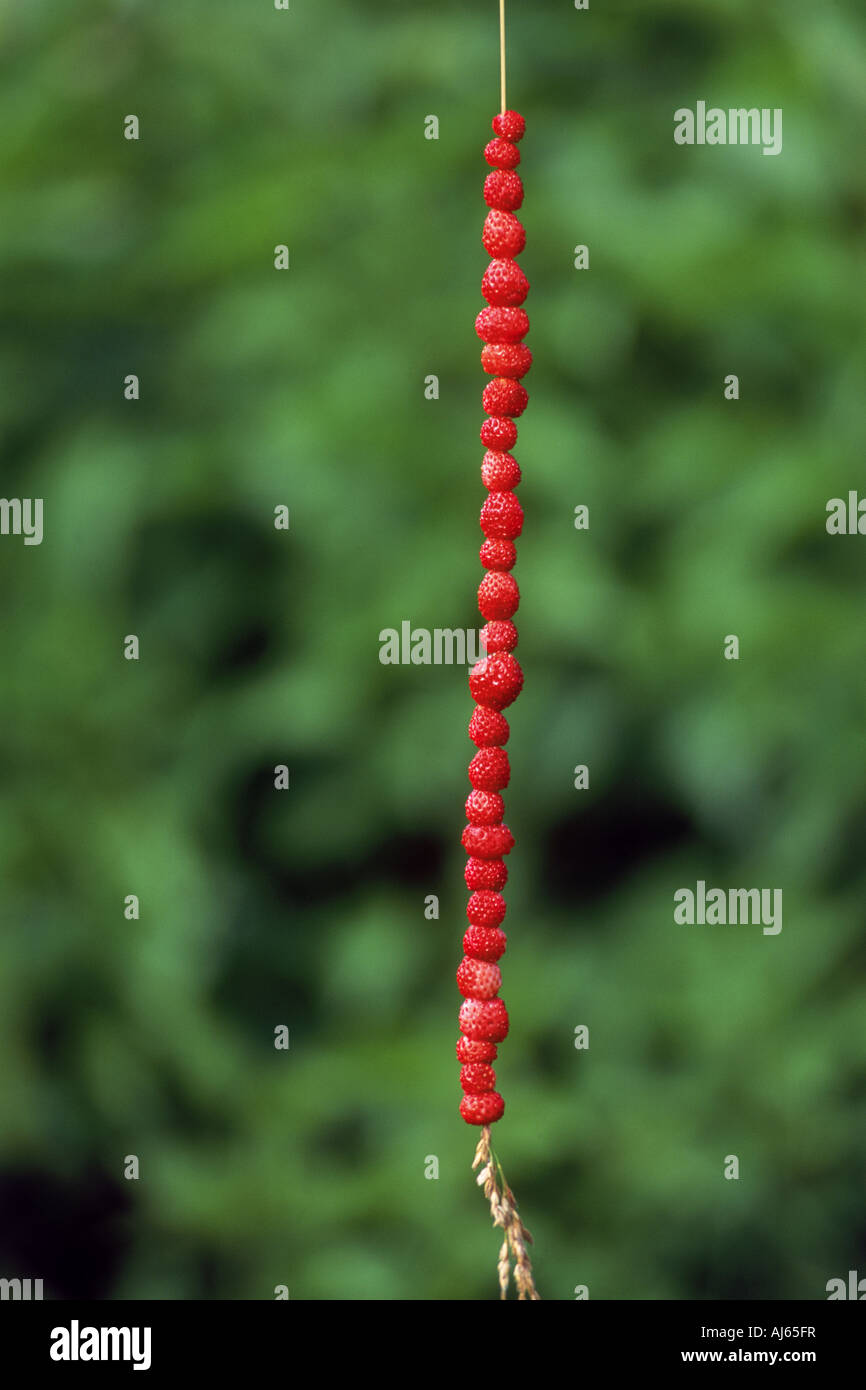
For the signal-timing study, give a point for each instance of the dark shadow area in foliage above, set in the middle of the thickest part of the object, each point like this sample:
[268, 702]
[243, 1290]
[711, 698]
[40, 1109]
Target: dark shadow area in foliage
[72, 1233]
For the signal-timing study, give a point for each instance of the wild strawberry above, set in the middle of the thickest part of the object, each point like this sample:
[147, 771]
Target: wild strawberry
[498, 597]
[489, 770]
[498, 433]
[482, 1110]
[506, 359]
[478, 979]
[488, 729]
[503, 396]
[484, 808]
[477, 1077]
[470, 1050]
[502, 516]
[498, 555]
[502, 154]
[501, 323]
[487, 841]
[485, 873]
[503, 235]
[485, 909]
[504, 283]
[499, 471]
[496, 681]
[484, 943]
[498, 636]
[503, 189]
[509, 124]
[484, 1019]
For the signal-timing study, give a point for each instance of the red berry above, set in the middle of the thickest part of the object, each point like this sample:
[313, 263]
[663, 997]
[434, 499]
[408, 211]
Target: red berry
[488, 729]
[510, 125]
[504, 283]
[499, 471]
[498, 433]
[482, 1110]
[501, 519]
[498, 555]
[484, 943]
[502, 396]
[503, 234]
[498, 636]
[471, 1050]
[487, 841]
[484, 808]
[485, 909]
[501, 324]
[484, 1019]
[478, 979]
[496, 681]
[489, 770]
[502, 154]
[503, 190]
[498, 597]
[506, 359]
[477, 1077]
[485, 873]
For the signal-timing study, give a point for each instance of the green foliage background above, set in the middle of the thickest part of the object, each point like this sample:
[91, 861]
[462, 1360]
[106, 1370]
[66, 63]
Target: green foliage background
[305, 908]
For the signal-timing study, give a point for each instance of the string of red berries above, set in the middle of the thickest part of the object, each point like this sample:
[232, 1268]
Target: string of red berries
[497, 679]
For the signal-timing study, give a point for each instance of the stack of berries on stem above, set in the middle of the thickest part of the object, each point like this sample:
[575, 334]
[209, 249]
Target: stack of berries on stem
[496, 680]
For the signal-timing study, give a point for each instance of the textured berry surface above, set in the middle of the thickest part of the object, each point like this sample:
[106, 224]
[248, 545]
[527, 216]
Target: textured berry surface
[484, 943]
[484, 808]
[502, 154]
[477, 1077]
[498, 434]
[478, 979]
[503, 235]
[502, 516]
[498, 597]
[504, 396]
[506, 359]
[498, 555]
[482, 1110]
[499, 471]
[503, 190]
[488, 729]
[470, 1050]
[486, 873]
[489, 770]
[504, 284]
[498, 636]
[494, 681]
[501, 324]
[487, 841]
[509, 124]
[484, 1019]
[485, 909]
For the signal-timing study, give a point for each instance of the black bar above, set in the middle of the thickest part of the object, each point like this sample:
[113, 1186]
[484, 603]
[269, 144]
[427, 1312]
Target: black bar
[227, 1338]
